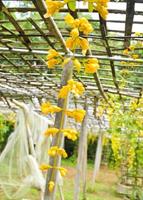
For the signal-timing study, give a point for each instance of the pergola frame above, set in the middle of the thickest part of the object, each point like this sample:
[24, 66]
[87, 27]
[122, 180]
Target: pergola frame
[23, 71]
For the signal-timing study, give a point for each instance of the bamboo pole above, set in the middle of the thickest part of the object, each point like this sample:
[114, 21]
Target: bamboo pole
[81, 160]
[98, 157]
[60, 122]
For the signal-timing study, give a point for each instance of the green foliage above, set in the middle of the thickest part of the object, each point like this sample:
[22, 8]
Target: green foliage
[6, 127]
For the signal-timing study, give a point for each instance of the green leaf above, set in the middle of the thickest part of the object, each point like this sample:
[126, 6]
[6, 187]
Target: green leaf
[90, 7]
[72, 5]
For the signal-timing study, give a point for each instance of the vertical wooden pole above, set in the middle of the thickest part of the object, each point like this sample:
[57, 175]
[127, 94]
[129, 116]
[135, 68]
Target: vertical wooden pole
[82, 157]
[98, 157]
[58, 140]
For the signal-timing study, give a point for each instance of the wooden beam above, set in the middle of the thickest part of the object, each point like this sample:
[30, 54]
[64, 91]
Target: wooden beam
[130, 10]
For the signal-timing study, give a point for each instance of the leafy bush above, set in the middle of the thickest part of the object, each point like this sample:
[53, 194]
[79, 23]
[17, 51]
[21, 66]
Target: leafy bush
[6, 127]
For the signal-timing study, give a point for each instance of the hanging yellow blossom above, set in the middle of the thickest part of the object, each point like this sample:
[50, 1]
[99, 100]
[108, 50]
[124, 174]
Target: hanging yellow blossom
[70, 133]
[52, 53]
[51, 131]
[92, 65]
[82, 24]
[44, 167]
[74, 33]
[77, 65]
[64, 91]
[53, 58]
[77, 114]
[51, 185]
[72, 86]
[47, 108]
[63, 171]
[102, 9]
[52, 62]
[84, 44]
[76, 87]
[53, 7]
[55, 150]
[70, 20]
[85, 26]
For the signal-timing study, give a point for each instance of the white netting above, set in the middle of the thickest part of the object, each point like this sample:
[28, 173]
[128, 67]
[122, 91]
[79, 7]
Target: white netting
[26, 149]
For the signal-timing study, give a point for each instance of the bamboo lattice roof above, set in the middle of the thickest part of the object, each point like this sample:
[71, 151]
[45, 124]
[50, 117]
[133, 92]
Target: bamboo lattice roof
[26, 36]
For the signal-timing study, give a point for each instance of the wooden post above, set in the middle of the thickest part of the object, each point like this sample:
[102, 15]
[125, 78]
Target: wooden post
[82, 158]
[58, 140]
[98, 157]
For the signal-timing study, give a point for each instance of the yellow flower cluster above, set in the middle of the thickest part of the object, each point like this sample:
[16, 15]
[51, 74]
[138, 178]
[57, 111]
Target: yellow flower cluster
[70, 133]
[54, 58]
[55, 150]
[53, 7]
[72, 86]
[45, 167]
[77, 114]
[91, 65]
[78, 26]
[63, 171]
[130, 52]
[101, 7]
[82, 24]
[51, 131]
[47, 108]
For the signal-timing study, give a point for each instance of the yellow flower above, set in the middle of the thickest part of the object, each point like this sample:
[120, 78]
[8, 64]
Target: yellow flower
[51, 63]
[102, 10]
[135, 56]
[53, 58]
[52, 54]
[92, 61]
[72, 43]
[77, 65]
[63, 171]
[85, 26]
[44, 167]
[51, 185]
[64, 91]
[51, 131]
[82, 24]
[77, 114]
[62, 152]
[76, 87]
[53, 7]
[47, 108]
[55, 150]
[69, 20]
[91, 66]
[70, 133]
[126, 52]
[74, 33]
[72, 86]
[84, 44]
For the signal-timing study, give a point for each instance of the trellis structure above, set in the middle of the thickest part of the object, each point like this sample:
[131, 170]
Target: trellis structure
[26, 36]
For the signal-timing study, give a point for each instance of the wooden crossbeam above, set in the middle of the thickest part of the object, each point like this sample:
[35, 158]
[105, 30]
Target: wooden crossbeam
[103, 29]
